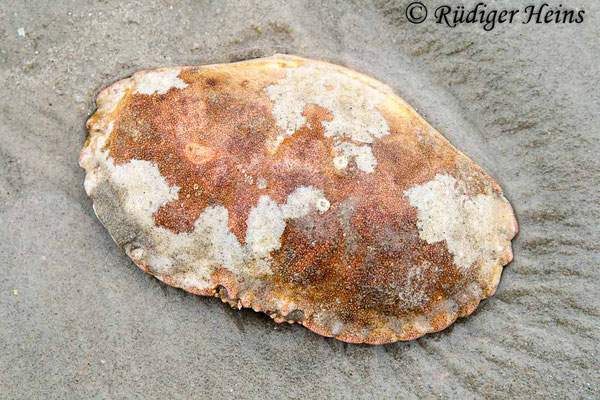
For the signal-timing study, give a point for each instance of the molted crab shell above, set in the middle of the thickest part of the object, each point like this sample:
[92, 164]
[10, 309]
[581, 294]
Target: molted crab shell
[298, 188]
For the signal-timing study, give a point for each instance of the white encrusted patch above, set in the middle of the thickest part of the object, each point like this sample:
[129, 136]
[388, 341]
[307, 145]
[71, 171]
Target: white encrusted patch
[196, 254]
[147, 190]
[212, 226]
[158, 81]
[266, 221]
[301, 202]
[356, 121]
[340, 162]
[211, 244]
[363, 156]
[265, 226]
[93, 158]
[112, 95]
[475, 228]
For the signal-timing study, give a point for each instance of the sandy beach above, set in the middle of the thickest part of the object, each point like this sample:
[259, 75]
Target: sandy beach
[79, 320]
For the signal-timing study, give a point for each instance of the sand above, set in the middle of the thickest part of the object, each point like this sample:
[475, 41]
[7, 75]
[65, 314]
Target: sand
[79, 320]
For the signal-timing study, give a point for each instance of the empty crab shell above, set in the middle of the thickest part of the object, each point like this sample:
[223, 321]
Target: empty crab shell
[298, 188]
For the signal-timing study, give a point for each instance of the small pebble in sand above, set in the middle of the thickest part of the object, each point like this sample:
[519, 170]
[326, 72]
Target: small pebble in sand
[21, 32]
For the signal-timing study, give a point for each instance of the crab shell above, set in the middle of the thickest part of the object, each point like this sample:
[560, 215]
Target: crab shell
[298, 188]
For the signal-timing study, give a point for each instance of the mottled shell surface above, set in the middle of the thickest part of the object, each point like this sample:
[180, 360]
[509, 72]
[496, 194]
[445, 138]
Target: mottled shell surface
[298, 188]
